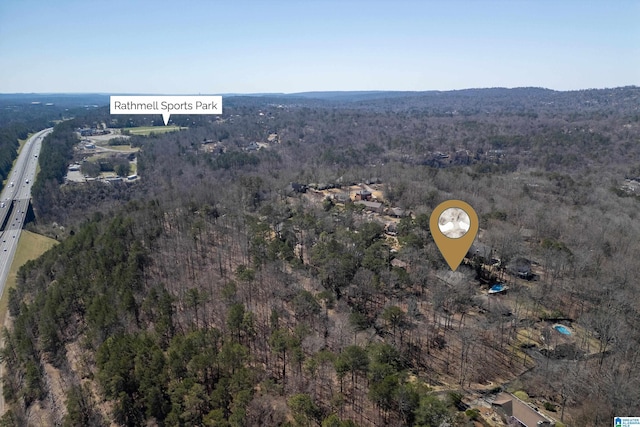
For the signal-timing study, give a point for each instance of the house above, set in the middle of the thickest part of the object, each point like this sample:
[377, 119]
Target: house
[391, 229]
[515, 410]
[521, 267]
[341, 197]
[481, 252]
[370, 206]
[295, 187]
[322, 186]
[397, 212]
[374, 180]
[364, 195]
[253, 146]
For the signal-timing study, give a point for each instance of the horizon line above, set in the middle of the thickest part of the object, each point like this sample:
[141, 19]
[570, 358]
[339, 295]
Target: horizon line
[317, 91]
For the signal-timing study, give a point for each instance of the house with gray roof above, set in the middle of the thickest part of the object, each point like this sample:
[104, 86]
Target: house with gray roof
[516, 412]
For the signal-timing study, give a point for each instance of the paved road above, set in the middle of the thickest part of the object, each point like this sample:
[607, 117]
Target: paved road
[14, 202]
[15, 197]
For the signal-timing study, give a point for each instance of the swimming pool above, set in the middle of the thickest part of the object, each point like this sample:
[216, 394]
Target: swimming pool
[562, 329]
[498, 287]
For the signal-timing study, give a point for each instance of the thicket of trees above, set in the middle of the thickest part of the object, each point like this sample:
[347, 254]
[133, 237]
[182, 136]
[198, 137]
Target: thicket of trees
[206, 294]
[10, 134]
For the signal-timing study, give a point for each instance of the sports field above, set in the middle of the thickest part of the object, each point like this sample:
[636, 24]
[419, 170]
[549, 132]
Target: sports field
[146, 130]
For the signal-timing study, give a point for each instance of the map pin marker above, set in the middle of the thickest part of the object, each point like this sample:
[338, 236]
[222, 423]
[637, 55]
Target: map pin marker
[454, 225]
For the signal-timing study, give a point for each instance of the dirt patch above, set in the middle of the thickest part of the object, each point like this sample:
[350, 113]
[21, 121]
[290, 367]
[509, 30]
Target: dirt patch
[82, 366]
[57, 400]
[39, 416]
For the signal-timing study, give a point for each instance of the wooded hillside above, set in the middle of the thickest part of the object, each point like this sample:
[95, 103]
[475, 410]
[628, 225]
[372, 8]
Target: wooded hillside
[214, 291]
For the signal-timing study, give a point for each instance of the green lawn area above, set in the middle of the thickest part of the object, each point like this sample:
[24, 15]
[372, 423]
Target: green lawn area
[146, 130]
[96, 157]
[30, 246]
[123, 148]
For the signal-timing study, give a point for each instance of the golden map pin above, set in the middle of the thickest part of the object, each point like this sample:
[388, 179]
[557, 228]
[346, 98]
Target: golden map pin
[454, 225]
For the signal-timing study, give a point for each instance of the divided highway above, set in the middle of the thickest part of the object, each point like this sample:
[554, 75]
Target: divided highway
[14, 201]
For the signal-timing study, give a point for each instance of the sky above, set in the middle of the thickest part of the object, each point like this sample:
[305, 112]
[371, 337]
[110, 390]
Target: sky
[288, 46]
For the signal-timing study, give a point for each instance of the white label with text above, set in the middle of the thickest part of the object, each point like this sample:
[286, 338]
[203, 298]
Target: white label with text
[166, 105]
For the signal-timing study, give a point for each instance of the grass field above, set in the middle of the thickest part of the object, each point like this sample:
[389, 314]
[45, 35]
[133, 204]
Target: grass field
[30, 246]
[146, 130]
[123, 148]
[99, 156]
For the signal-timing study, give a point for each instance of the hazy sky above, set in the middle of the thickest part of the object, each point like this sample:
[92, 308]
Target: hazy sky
[213, 47]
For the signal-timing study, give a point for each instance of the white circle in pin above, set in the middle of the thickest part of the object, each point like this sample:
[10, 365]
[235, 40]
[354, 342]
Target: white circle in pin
[454, 223]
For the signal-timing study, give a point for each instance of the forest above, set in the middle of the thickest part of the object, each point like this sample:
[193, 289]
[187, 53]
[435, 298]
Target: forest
[239, 282]
[10, 136]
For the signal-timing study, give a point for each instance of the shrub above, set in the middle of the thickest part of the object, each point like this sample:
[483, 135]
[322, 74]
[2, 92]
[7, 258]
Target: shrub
[473, 414]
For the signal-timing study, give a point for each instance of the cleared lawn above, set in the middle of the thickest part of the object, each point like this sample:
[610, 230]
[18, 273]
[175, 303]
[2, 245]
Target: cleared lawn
[99, 156]
[123, 148]
[146, 130]
[30, 246]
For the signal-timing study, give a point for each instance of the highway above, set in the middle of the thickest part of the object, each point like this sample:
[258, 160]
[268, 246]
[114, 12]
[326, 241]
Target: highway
[14, 201]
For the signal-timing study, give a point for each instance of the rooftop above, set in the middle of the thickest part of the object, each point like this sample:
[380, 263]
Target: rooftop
[514, 407]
